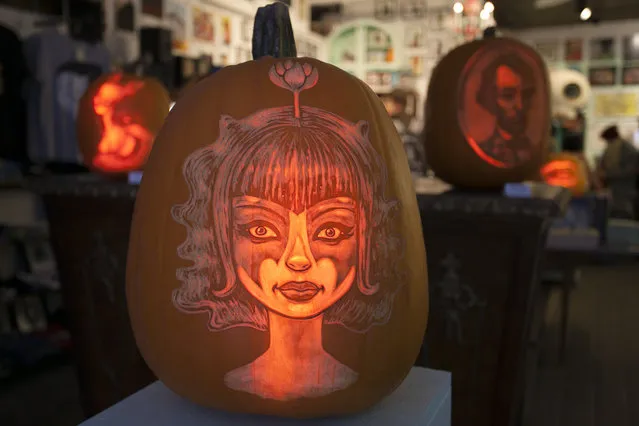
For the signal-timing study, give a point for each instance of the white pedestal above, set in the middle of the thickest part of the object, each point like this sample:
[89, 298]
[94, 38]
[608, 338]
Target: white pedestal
[423, 399]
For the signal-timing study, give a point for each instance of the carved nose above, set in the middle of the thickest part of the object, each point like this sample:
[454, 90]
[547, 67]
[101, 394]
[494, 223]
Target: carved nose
[298, 263]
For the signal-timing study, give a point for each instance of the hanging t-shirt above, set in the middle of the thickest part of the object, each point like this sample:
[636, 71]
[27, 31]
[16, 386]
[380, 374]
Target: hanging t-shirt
[13, 143]
[61, 69]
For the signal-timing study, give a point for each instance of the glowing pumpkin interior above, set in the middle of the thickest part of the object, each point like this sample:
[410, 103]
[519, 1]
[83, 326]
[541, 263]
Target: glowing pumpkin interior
[127, 112]
[568, 172]
[500, 98]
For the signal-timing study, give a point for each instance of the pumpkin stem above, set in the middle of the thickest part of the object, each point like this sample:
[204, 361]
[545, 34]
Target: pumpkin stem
[273, 32]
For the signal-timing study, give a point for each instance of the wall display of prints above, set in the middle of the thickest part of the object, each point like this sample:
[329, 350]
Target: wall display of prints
[574, 50]
[602, 49]
[616, 105]
[177, 17]
[631, 47]
[549, 50]
[203, 25]
[602, 76]
[630, 76]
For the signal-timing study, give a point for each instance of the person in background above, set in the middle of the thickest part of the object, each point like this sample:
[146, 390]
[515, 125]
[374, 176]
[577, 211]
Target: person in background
[617, 171]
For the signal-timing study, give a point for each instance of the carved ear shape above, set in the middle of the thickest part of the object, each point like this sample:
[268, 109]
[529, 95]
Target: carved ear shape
[363, 128]
[226, 121]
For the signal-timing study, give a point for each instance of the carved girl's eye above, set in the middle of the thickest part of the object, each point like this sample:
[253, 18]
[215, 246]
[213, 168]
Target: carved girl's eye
[260, 231]
[333, 233]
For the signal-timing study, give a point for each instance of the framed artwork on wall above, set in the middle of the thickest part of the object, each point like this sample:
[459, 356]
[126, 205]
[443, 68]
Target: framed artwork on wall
[630, 76]
[414, 36]
[602, 76]
[412, 9]
[153, 7]
[247, 29]
[602, 49]
[574, 50]
[631, 47]
[386, 9]
[548, 49]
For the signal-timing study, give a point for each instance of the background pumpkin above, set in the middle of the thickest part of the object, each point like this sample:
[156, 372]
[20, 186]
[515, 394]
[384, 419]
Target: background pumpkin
[567, 170]
[202, 129]
[118, 118]
[476, 91]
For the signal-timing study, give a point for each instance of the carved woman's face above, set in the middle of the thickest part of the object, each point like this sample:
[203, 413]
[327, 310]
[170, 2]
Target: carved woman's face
[297, 265]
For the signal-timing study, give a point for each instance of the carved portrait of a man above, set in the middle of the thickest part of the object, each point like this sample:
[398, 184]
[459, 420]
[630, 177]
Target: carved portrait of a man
[503, 95]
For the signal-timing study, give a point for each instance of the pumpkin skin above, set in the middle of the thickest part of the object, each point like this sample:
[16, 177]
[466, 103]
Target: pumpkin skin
[487, 114]
[355, 318]
[568, 171]
[118, 118]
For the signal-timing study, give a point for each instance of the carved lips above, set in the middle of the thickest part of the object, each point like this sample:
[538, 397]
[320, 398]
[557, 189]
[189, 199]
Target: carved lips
[299, 292]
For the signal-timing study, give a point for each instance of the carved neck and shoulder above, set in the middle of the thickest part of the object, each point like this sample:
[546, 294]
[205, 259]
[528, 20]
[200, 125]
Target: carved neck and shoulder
[295, 364]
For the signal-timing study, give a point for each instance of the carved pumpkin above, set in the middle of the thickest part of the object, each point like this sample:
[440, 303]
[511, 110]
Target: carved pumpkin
[567, 170]
[118, 118]
[487, 114]
[276, 264]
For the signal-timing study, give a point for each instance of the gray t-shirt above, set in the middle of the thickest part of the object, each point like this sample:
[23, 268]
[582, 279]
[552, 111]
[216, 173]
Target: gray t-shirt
[61, 69]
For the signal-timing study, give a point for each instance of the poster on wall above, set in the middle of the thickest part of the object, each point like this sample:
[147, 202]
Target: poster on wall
[549, 50]
[574, 50]
[203, 28]
[602, 49]
[417, 65]
[226, 30]
[176, 16]
[247, 29]
[630, 76]
[124, 15]
[604, 76]
[414, 36]
[616, 105]
[153, 7]
[631, 47]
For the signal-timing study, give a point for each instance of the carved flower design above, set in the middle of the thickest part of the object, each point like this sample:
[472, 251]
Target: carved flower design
[293, 75]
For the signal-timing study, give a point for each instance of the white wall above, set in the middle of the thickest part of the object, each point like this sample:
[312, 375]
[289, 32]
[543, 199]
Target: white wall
[617, 30]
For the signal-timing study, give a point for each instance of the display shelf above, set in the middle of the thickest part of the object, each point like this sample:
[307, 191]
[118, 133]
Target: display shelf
[393, 54]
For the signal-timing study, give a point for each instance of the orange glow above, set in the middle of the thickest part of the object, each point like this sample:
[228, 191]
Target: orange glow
[568, 171]
[560, 173]
[281, 216]
[125, 143]
[501, 104]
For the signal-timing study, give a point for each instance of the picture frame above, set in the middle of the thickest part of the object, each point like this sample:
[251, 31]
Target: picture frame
[386, 9]
[602, 49]
[412, 9]
[548, 49]
[414, 36]
[574, 50]
[630, 75]
[631, 47]
[377, 39]
[602, 76]
[247, 29]
[417, 65]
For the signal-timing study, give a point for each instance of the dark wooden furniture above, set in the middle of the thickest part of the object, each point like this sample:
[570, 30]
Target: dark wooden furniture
[89, 221]
[484, 255]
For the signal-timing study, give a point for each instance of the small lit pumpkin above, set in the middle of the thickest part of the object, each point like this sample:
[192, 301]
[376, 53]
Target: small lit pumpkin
[487, 114]
[276, 264]
[118, 118]
[567, 170]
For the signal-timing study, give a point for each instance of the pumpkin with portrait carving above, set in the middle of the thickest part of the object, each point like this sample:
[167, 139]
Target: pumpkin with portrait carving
[567, 170]
[118, 118]
[487, 114]
[276, 261]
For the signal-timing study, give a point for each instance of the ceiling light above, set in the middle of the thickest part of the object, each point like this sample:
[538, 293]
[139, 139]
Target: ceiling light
[489, 7]
[458, 7]
[585, 14]
[484, 15]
